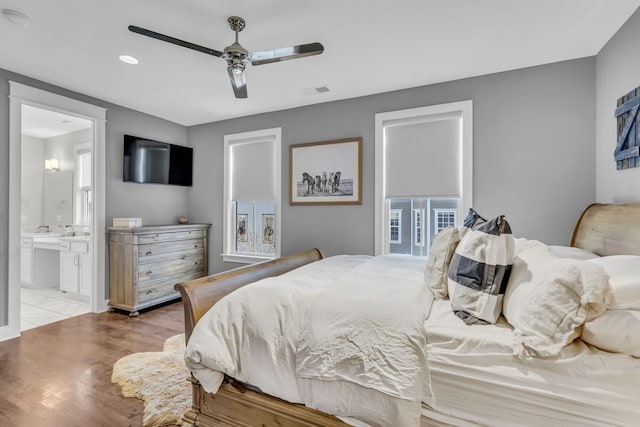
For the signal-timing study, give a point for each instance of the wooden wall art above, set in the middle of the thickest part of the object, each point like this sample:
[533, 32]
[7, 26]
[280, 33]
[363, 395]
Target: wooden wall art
[627, 154]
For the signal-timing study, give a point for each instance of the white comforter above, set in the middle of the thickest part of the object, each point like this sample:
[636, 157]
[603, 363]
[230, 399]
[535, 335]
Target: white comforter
[344, 335]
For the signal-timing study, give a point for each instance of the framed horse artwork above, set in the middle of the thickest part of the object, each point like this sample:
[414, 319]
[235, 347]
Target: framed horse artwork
[326, 172]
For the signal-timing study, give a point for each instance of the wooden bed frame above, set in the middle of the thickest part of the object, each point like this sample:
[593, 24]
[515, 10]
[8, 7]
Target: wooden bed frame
[604, 229]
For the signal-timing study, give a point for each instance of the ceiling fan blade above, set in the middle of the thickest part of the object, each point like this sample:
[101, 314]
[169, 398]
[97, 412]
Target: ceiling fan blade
[238, 83]
[285, 53]
[173, 40]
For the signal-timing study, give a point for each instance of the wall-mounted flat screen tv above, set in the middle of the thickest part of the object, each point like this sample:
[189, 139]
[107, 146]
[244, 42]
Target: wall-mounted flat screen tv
[149, 161]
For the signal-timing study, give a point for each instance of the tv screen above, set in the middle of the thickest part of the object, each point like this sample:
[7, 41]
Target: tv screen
[149, 161]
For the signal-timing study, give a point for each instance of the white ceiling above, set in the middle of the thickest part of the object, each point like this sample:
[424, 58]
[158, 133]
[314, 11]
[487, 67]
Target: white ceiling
[371, 46]
[41, 123]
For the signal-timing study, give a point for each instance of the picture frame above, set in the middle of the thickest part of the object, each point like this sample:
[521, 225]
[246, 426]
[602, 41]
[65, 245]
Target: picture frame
[268, 229]
[241, 224]
[326, 172]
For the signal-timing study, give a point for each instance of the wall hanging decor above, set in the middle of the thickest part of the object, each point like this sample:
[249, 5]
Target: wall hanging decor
[327, 172]
[627, 154]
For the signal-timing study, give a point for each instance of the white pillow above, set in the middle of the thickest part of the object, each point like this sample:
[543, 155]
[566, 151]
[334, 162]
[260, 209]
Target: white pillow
[549, 298]
[572, 252]
[624, 277]
[617, 331]
[440, 252]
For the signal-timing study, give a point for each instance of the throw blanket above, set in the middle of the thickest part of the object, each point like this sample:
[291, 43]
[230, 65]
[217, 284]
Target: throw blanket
[355, 320]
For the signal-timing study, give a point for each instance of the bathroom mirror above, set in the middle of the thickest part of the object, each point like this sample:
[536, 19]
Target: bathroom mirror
[57, 198]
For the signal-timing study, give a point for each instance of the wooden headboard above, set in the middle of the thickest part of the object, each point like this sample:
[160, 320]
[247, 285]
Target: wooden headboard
[609, 229]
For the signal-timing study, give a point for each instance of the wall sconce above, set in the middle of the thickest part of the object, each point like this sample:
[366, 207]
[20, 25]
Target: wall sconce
[51, 165]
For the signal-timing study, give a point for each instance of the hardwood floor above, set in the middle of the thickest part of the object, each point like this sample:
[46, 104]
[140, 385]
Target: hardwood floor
[60, 374]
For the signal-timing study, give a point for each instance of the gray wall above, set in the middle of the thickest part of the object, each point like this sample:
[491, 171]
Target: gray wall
[618, 72]
[156, 204]
[32, 173]
[534, 139]
[533, 158]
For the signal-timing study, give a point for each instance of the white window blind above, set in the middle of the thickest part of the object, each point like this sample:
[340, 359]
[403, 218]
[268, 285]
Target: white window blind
[252, 170]
[423, 158]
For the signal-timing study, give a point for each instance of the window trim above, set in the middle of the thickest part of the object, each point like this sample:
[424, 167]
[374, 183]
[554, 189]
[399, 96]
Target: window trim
[437, 211]
[418, 212]
[417, 115]
[228, 221]
[399, 213]
[78, 217]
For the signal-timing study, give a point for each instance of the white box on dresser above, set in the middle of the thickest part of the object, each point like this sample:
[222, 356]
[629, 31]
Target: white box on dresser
[127, 222]
[146, 262]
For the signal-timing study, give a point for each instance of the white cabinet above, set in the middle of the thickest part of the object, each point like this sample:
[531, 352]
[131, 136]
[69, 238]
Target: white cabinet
[26, 261]
[76, 270]
[68, 272]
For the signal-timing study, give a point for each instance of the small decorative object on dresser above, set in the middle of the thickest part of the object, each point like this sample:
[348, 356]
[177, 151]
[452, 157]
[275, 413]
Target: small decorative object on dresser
[146, 262]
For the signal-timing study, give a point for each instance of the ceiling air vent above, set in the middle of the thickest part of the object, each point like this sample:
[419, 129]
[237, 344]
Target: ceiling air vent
[315, 90]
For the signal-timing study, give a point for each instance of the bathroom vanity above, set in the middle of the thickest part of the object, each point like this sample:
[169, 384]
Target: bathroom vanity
[50, 260]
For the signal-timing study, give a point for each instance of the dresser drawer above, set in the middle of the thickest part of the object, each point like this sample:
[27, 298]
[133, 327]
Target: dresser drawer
[152, 250]
[170, 237]
[160, 288]
[160, 269]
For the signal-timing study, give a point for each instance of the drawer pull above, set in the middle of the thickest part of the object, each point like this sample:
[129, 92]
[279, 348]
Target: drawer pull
[149, 291]
[195, 263]
[183, 257]
[148, 253]
[195, 246]
[148, 273]
[156, 237]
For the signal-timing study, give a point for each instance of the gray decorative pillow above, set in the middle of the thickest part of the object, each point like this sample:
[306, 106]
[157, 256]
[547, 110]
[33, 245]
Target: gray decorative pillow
[440, 253]
[479, 272]
[471, 221]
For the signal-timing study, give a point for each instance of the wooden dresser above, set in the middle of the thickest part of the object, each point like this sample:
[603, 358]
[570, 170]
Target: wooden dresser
[146, 262]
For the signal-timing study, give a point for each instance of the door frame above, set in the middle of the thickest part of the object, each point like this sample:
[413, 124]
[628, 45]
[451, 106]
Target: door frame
[20, 95]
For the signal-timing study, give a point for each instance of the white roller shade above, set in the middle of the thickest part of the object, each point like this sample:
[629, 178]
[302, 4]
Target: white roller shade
[253, 171]
[422, 159]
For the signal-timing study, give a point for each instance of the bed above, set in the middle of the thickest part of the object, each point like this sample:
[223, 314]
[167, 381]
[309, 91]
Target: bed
[473, 376]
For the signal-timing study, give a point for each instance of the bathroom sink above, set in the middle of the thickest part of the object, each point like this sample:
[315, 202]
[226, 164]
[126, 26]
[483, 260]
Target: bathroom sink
[34, 235]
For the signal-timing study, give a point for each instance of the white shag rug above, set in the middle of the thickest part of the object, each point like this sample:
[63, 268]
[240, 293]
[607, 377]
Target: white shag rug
[159, 379]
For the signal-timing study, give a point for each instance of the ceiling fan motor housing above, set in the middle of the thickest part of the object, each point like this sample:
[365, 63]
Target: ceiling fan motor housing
[236, 57]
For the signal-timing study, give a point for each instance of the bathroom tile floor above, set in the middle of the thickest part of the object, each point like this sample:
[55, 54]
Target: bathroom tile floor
[42, 306]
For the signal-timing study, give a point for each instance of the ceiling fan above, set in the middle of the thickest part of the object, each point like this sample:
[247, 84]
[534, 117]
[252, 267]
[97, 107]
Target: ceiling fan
[238, 57]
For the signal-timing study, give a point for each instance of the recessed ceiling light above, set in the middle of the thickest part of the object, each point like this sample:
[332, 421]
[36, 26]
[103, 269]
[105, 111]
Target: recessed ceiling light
[16, 17]
[128, 59]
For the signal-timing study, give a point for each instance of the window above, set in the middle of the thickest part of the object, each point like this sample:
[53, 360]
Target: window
[424, 163]
[418, 232]
[83, 188]
[423, 227]
[444, 218]
[395, 226]
[252, 196]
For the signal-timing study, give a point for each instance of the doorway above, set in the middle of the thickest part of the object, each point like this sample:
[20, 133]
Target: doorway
[26, 96]
[55, 216]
